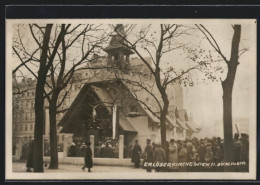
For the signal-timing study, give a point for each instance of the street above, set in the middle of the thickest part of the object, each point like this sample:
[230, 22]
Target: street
[21, 167]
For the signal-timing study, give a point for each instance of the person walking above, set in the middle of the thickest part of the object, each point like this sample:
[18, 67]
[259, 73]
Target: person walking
[173, 155]
[29, 163]
[136, 154]
[159, 156]
[88, 158]
[148, 154]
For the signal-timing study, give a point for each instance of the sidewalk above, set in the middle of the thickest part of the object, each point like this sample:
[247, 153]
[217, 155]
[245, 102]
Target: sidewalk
[21, 167]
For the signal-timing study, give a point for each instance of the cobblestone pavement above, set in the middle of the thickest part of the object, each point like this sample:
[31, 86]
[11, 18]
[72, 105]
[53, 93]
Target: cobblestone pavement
[21, 167]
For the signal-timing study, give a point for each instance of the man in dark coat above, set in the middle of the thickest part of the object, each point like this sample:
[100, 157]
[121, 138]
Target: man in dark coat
[159, 157]
[148, 154]
[88, 158]
[136, 154]
[29, 163]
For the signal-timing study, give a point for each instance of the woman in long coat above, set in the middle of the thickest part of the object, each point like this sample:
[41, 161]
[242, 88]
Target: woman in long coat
[159, 157]
[173, 154]
[88, 158]
[136, 154]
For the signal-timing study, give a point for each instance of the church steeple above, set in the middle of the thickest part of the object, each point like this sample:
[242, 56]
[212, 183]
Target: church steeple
[117, 50]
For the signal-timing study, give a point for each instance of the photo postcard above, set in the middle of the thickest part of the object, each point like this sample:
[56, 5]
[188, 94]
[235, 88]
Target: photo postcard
[128, 99]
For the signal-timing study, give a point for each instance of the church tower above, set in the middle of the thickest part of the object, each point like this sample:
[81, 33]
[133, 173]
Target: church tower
[117, 50]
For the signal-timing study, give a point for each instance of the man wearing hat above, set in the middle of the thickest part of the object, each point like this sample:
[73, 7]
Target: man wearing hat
[173, 154]
[148, 154]
[136, 154]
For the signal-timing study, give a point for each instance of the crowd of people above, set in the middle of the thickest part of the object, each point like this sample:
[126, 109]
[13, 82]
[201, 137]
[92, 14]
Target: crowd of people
[104, 149]
[207, 150]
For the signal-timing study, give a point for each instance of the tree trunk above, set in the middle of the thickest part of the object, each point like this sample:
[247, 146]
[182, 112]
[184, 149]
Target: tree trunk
[53, 137]
[39, 103]
[163, 128]
[227, 86]
[164, 112]
[227, 120]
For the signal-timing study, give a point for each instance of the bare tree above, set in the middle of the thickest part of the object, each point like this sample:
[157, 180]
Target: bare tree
[62, 72]
[45, 62]
[76, 47]
[227, 84]
[159, 46]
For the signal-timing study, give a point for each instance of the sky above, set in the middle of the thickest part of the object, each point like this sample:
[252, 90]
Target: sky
[204, 101]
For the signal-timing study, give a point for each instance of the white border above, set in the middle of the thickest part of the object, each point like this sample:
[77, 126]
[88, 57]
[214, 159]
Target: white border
[130, 176]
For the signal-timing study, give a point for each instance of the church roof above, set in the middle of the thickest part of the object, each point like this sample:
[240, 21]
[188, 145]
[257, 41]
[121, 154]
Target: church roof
[102, 92]
[69, 118]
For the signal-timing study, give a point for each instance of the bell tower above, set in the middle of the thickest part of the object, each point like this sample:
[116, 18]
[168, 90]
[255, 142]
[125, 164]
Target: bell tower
[117, 50]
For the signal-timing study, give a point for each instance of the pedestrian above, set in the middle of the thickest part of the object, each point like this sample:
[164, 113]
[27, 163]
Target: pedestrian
[29, 163]
[148, 154]
[196, 159]
[208, 158]
[202, 150]
[136, 154]
[159, 156]
[88, 158]
[173, 155]
[189, 155]
[183, 157]
[218, 157]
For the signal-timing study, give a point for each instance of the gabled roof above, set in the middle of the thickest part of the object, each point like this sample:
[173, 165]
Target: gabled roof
[74, 104]
[103, 95]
